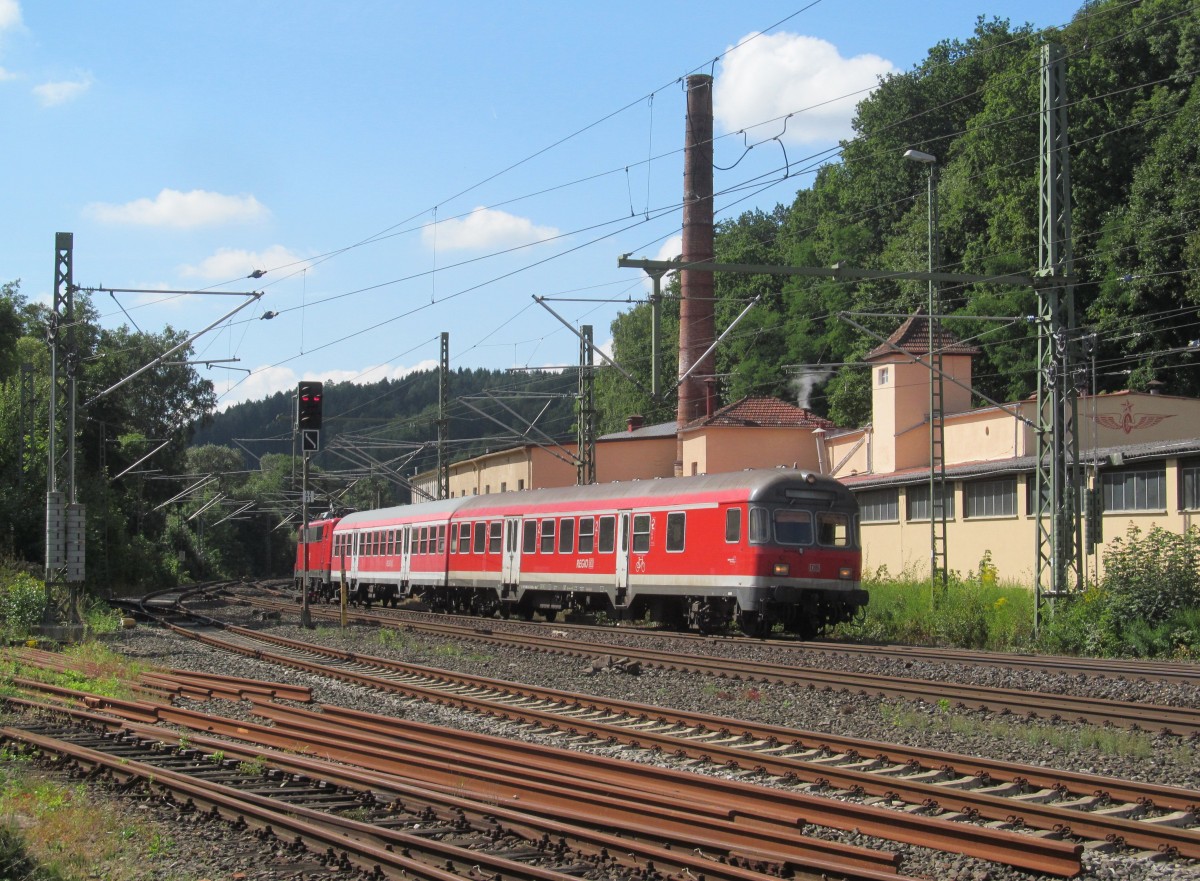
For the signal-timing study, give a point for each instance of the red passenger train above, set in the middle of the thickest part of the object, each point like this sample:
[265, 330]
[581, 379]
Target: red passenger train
[755, 548]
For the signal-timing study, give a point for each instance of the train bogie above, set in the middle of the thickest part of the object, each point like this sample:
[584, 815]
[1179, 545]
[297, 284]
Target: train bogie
[759, 549]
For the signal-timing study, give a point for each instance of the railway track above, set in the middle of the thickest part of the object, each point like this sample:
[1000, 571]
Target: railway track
[360, 817]
[707, 822]
[1117, 668]
[1153, 818]
[1183, 721]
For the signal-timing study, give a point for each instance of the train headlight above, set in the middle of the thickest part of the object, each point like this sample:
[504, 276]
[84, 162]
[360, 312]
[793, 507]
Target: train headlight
[846, 573]
[783, 569]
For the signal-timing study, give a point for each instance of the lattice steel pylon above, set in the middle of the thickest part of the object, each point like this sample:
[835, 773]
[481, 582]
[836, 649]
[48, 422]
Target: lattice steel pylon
[64, 516]
[1056, 492]
[585, 423]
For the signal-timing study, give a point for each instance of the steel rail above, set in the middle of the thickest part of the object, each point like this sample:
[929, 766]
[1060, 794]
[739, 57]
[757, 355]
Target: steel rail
[692, 851]
[316, 829]
[1140, 669]
[1183, 721]
[1047, 856]
[970, 790]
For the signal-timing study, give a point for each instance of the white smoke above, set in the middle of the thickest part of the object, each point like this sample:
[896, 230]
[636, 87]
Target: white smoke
[806, 380]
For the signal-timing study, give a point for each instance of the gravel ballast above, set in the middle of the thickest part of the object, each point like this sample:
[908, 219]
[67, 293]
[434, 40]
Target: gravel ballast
[1146, 757]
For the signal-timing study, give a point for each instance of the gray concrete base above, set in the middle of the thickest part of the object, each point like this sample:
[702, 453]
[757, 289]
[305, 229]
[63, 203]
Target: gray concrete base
[65, 634]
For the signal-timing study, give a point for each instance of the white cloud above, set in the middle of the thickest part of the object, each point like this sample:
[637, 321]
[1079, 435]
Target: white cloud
[237, 263]
[182, 210]
[671, 249]
[771, 75]
[10, 14]
[53, 94]
[6, 75]
[484, 228]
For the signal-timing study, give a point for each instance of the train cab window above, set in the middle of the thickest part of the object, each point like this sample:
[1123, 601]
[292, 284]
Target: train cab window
[793, 527]
[733, 525]
[641, 533]
[442, 539]
[587, 534]
[833, 529]
[529, 536]
[566, 536]
[480, 541]
[608, 534]
[494, 536]
[760, 526]
[464, 538]
[676, 527]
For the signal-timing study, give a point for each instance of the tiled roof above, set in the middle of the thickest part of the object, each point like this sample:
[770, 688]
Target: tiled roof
[662, 429]
[763, 411]
[913, 337]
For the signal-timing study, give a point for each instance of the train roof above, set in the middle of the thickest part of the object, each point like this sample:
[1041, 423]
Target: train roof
[752, 484]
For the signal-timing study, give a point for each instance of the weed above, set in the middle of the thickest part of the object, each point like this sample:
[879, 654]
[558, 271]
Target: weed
[254, 768]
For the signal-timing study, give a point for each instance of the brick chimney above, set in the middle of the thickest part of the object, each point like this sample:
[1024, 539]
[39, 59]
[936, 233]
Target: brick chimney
[696, 325]
[633, 423]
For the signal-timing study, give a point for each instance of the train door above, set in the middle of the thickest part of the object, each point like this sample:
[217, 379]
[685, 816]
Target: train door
[622, 553]
[405, 553]
[512, 550]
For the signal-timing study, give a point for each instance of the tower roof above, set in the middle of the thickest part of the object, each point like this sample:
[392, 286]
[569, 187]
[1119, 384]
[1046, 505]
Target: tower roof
[912, 337]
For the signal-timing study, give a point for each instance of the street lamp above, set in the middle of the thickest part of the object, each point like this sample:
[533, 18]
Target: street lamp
[936, 463]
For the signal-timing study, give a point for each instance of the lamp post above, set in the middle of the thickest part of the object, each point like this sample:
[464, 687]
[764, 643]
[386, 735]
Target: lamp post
[936, 464]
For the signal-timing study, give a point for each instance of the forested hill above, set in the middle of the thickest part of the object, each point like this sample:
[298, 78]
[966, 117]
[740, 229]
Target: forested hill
[406, 411]
[1133, 116]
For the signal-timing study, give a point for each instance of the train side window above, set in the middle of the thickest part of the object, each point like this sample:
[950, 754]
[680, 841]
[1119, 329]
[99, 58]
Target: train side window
[464, 538]
[587, 534]
[408, 539]
[733, 525]
[676, 528]
[494, 536]
[566, 536]
[529, 536]
[442, 539]
[424, 546]
[453, 538]
[833, 529]
[760, 526]
[608, 534]
[480, 537]
[391, 543]
[641, 533]
[547, 537]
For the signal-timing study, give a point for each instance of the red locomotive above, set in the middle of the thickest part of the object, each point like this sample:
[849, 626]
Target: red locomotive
[755, 548]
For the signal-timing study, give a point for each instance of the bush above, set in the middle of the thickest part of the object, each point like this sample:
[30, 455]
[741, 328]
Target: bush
[22, 603]
[1151, 578]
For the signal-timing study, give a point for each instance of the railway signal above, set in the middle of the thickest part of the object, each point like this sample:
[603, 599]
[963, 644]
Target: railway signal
[309, 405]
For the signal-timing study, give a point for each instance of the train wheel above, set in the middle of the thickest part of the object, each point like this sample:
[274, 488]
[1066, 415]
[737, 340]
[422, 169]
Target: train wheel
[753, 624]
[550, 615]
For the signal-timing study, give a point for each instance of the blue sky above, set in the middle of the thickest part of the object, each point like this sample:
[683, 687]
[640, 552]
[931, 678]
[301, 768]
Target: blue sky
[400, 169]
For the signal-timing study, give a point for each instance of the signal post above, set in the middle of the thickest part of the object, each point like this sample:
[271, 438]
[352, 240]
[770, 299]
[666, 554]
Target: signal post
[308, 423]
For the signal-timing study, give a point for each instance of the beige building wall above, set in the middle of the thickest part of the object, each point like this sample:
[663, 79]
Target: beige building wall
[903, 546]
[718, 448]
[635, 459]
